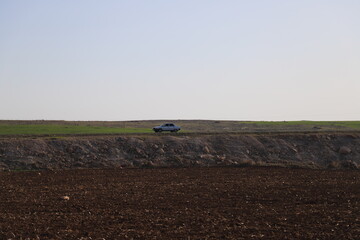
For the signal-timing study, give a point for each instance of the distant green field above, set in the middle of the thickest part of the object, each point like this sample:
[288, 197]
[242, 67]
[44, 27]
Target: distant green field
[65, 129]
[346, 124]
[193, 126]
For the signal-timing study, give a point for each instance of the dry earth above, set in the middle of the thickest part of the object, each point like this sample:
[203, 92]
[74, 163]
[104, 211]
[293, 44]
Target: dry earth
[183, 203]
[311, 150]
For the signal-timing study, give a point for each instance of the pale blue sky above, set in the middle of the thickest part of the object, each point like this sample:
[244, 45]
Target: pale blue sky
[129, 60]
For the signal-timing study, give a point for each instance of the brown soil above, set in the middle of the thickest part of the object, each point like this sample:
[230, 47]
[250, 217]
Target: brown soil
[311, 150]
[193, 203]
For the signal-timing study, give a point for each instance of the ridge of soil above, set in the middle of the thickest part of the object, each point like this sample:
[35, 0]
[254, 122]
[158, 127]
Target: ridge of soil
[307, 150]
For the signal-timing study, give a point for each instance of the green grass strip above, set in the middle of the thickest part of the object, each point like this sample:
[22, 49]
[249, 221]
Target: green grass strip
[65, 129]
[347, 124]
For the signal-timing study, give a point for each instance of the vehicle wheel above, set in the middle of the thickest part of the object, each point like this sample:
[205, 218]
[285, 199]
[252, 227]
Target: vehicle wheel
[160, 130]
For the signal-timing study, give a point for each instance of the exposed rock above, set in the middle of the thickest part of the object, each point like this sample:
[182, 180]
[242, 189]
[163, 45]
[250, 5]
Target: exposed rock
[161, 151]
[206, 149]
[344, 150]
[333, 165]
[206, 156]
[65, 198]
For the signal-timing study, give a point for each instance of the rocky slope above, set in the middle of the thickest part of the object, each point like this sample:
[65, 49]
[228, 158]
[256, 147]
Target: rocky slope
[291, 150]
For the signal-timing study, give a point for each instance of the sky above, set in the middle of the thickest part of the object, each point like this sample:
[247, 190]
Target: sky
[112, 60]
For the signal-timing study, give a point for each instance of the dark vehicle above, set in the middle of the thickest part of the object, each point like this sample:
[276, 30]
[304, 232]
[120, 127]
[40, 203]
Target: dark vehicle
[167, 127]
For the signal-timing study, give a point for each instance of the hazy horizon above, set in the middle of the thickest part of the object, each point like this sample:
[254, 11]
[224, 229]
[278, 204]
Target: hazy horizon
[113, 60]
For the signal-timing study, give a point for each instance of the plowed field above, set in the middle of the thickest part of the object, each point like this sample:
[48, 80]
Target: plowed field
[186, 203]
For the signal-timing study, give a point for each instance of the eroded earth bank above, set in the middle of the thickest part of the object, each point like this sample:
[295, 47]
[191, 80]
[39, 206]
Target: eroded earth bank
[164, 150]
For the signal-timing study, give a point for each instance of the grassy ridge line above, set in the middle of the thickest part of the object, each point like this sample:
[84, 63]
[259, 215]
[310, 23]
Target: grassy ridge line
[63, 129]
[139, 127]
[348, 124]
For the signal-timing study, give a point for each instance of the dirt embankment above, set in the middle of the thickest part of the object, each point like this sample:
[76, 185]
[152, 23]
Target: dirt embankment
[295, 150]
